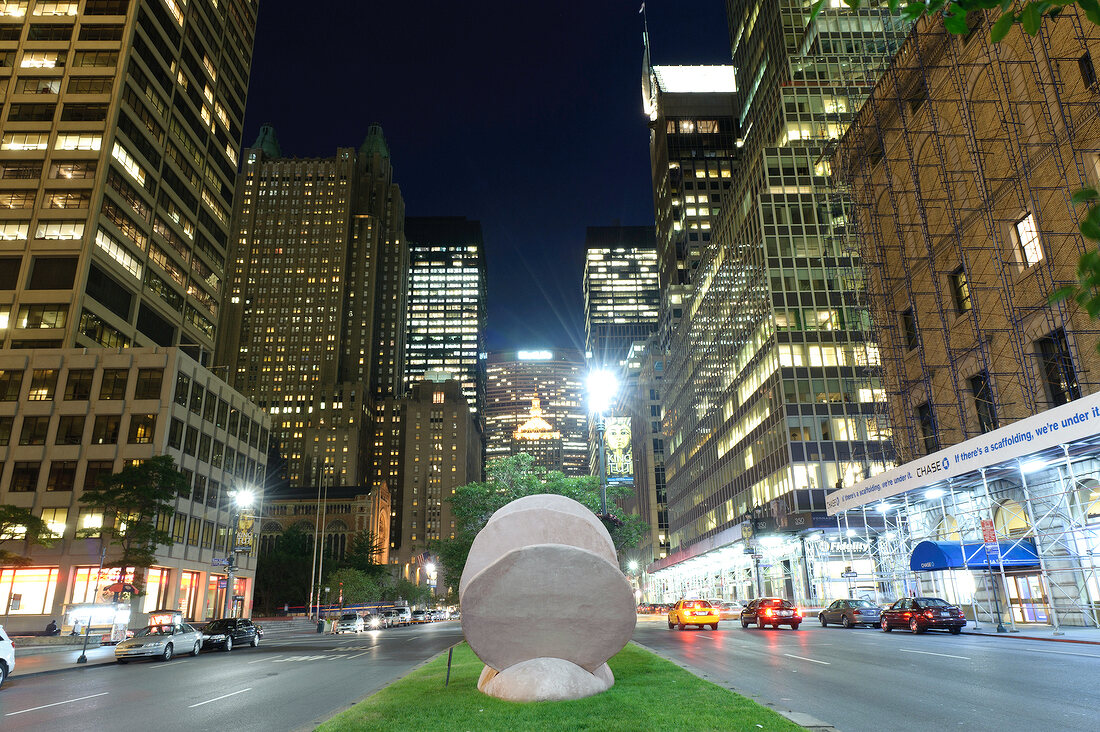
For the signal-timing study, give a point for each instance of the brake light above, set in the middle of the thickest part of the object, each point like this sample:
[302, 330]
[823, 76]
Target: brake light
[797, 611]
[768, 611]
[929, 614]
[857, 612]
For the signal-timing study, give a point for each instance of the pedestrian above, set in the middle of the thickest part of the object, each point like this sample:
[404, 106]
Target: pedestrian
[52, 628]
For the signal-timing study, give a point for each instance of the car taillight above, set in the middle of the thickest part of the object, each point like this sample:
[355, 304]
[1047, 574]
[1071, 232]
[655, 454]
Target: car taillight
[768, 611]
[929, 614]
[797, 611]
[857, 612]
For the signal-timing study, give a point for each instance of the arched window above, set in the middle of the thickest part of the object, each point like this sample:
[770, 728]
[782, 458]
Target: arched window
[947, 529]
[1011, 519]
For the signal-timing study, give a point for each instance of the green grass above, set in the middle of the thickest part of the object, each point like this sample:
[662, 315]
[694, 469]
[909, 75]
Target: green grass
[650, 693]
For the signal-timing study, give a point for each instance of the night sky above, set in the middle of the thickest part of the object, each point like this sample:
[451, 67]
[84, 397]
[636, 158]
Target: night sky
[524, 115]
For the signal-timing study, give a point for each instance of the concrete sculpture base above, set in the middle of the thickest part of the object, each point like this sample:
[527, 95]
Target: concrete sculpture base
[544, 603]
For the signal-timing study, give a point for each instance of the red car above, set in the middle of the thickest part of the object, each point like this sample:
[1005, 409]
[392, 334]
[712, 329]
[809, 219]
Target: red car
[921, 613]
[773, 611]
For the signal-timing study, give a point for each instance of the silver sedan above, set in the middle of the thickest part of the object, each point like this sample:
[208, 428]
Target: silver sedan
[160, 641]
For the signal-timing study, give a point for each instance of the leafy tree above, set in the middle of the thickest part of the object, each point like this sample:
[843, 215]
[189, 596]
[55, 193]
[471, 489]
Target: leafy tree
[361, 553]
[403, 589]
[282, 575]
[19, 524]
[517, 476]
[130, 501]
[358, 586]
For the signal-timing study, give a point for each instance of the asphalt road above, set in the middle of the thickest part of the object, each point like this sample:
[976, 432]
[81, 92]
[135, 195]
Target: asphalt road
[864, 679]
[287, 683]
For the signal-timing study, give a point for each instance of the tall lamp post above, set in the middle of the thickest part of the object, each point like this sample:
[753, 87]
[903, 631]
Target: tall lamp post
[242, 501]
[603, 385]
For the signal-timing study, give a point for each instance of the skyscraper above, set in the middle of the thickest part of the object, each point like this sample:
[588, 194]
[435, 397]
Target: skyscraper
[621, 294]
[692, 143]
[446, 310]
[118, 155]
[314, 330]
[771, 389]
[555, 377]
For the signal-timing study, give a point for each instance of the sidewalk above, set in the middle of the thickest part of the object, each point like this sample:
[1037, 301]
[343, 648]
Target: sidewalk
[1072, 634]
[44, 663]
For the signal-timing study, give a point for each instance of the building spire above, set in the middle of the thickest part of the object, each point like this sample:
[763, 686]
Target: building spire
[268, 142]
[375, 142]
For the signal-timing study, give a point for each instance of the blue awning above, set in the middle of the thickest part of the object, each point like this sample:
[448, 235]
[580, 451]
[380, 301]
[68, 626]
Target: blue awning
[929, 556]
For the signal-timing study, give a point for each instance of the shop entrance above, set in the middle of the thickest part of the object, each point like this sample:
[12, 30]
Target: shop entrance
[1027, 598]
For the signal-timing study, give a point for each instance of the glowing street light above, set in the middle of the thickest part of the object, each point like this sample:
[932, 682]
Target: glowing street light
[603, 385]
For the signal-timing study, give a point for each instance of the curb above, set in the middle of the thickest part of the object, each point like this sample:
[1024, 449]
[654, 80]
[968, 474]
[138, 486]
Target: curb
[74, 667]
[800, 718]
[1015, 636]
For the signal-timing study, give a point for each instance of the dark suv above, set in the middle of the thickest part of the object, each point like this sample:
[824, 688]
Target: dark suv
[773, 611]
[228, 632]
[921, 613]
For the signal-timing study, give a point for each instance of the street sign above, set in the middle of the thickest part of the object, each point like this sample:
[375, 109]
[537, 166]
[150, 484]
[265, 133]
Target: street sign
[993, 552]
[222, 584]
[849, 574]
[989, 533]
[219, 562]
[757, 556]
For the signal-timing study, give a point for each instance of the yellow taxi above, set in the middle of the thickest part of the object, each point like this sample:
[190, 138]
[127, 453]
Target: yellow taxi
[693, 612]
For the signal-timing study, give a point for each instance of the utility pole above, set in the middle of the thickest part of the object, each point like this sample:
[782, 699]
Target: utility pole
[321, 545]
[316, 534]
[88, 625]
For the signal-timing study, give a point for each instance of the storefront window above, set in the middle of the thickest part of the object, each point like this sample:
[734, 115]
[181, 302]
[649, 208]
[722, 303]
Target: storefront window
[189, 594]
[85, 583]
[27, 590]
[156, 589]
[215, 596]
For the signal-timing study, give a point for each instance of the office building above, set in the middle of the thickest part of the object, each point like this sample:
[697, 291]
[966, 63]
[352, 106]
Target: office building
[118, 160]
[446, 303]
[641, 404]
[621, 291]
[432, 444]
[71, 416]
[554, 377]
[771, 390]
[962, 166]
[692, 146]
[314, 327]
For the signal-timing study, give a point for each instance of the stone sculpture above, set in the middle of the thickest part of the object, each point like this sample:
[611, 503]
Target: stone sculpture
[544, 604]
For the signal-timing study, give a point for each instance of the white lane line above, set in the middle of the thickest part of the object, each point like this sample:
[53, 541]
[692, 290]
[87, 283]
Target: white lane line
[223, 696]
[357, 655]
[46, 706]
[929, 653]
[261, 660]
[1065, 653]
[811, 660]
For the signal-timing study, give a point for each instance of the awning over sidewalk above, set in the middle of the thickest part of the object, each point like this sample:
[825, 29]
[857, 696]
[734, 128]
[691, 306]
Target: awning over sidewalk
[930, 556]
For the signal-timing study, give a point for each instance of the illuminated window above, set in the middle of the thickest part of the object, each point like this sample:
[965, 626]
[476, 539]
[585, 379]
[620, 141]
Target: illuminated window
[28, 590]
[1027, 239]
[55, 519]
[960, 288]
[43, 384]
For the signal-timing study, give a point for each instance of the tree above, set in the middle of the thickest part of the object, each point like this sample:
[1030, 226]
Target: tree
[130, 501]
[19, 524]
[517, 476]
[358, 587]
[410, 592]
[362, 551]
[282, 575]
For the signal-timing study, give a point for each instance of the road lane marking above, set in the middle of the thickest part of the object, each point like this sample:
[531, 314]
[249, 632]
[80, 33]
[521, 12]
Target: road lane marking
[261, 660]
[930, 653]
[357, 655]
[46, 706]
[811, 660]
[1066, 653]
[217, 698]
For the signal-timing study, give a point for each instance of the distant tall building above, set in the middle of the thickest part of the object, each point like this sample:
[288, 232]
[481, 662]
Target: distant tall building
[692, 144]
[556, 379]
[621, 291]
[446, 304]
[118, 157]
[314, 329]
[640, 405]
[434, 445]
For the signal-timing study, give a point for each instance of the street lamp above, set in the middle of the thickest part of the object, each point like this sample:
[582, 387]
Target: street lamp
[603, 385]
[242, 501]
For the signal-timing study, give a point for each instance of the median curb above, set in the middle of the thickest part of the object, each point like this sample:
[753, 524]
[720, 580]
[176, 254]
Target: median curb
[800, 718]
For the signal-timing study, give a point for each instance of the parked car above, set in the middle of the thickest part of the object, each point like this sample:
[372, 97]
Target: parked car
[693, 612]
[225, 633]
[421, 616]
[730, 609]
[849, 613]
[404, 615]
[348, 623]
[922, 613]
[392, 617]
[773, 611]
[373, 621]
[7, 656]
[160, 641]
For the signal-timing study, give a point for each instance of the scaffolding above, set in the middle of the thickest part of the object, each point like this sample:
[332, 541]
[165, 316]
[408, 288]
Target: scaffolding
[962, 166]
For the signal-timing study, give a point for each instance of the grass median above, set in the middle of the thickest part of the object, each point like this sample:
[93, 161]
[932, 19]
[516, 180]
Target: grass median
[650, 693]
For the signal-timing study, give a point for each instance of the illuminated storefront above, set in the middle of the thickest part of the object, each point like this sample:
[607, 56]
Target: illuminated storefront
[27, 590]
